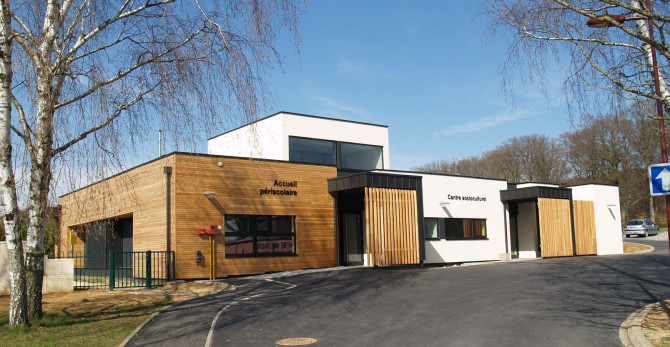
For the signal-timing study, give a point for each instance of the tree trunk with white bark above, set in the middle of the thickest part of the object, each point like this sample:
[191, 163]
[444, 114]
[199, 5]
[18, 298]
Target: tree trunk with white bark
[17, 278]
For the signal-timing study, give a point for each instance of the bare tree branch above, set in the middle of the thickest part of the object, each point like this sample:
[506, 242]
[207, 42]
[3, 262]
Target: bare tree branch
[107, 121]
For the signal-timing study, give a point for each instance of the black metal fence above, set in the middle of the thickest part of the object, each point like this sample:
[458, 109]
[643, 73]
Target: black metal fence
[121, 269]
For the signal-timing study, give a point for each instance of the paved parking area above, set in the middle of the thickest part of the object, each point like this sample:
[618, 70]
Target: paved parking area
[577, 301]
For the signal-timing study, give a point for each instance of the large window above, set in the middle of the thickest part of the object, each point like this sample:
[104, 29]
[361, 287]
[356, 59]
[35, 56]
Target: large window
[313, 151]
[360, 157]
[454, 228]
[347, 156]
[249, 235]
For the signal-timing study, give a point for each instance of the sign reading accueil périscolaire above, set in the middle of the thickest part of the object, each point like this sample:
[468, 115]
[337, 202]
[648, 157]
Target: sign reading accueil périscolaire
[282, 188]
[659, 179]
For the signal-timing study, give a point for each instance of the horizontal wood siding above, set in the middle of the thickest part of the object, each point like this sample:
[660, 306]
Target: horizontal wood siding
[141, 193]
[237, 185]
[391, 227]
[138, 193]
[555, 227]
[585, 227]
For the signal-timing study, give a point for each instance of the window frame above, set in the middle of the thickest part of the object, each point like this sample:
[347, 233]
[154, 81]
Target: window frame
[437, 226]
[259, 236]
[338, 153]
[442, 229]
[340, 164]
[332, 142]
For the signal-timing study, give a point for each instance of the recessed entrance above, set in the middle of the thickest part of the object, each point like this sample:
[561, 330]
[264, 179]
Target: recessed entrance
[350, 227]
[352, 234]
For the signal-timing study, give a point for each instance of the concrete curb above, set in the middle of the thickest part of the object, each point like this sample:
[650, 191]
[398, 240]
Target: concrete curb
[630, 331]
[648, 250]
[123, 344]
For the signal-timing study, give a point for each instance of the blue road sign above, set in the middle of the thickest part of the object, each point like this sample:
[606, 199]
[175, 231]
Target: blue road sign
[659, 179]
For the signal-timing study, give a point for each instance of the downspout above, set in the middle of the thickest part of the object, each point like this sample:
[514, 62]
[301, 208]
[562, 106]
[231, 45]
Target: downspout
[168, 176]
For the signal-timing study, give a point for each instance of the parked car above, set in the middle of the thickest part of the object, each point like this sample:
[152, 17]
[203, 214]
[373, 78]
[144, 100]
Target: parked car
[641, 227]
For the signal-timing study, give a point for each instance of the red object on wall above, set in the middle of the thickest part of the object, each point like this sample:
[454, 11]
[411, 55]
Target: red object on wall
[212, 229]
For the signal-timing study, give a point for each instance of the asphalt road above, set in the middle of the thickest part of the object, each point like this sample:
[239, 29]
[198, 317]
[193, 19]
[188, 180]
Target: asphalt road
[576, 301]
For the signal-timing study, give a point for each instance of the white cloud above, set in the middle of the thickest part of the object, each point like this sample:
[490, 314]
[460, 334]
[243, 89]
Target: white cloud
[335, 108]
[350, 69]
[487, 122]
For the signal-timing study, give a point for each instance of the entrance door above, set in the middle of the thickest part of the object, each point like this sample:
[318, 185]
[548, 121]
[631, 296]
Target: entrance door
[352, 234]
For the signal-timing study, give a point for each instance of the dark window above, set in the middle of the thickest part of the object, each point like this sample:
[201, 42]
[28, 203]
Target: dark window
[457, 228]
[249, 235]
[313, 151]
[347, 156]
[360, 157]
[430, 229]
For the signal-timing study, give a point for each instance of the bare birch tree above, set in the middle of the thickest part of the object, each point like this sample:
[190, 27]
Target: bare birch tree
[17, 276]
[72, 68]
[615, 62]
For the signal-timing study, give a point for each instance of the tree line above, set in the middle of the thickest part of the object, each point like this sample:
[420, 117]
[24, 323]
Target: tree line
[613, 148]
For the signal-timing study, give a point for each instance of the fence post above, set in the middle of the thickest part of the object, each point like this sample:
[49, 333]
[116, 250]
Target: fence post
[171, 255]
[111, 270]
[148, 271]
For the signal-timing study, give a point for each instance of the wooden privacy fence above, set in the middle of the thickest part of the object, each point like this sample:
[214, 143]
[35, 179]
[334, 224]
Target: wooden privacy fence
[555, 227]
[585, 227]
[391, 227]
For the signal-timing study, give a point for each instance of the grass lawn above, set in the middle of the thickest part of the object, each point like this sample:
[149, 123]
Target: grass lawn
[94, 322]
[97, 317]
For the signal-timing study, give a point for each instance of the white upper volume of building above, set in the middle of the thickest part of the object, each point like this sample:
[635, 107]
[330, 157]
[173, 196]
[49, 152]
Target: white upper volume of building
[281, 135]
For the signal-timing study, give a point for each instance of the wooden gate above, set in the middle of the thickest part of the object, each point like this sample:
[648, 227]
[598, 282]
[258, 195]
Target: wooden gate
[585, 227]
[391, 227]
[555, 227]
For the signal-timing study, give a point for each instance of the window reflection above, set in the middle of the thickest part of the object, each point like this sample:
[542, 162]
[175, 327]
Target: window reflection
[258, 235]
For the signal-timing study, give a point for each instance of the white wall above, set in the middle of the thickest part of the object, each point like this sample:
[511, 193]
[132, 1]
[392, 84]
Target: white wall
[535, 184]
[439, 189]
[262, 139]
[607, 210]
[335, 130]
[527, 229]
[268, 137]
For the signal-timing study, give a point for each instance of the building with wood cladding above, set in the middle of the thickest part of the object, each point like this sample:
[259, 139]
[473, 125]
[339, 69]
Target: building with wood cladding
[293, 191]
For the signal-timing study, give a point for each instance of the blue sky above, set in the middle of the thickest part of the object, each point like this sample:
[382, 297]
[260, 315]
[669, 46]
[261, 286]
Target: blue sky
[427, 69]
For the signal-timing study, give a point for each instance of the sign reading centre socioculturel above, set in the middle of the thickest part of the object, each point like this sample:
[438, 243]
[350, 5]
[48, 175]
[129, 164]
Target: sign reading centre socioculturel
[659, 179]
[283, 188]
[466, 198]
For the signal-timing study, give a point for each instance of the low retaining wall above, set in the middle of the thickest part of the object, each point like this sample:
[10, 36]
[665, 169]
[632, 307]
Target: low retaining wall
[58, 273]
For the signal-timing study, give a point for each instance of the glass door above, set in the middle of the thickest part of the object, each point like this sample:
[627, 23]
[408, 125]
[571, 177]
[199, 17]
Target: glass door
[353, 238]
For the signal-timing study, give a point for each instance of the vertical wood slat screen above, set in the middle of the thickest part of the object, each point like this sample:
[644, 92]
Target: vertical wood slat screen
[585, 227]
[555, 227]
[391, 227]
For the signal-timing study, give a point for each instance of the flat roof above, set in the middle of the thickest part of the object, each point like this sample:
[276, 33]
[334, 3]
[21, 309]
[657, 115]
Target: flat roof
[374, 179]
[194, 155]
[531, 193]
[301, 115]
